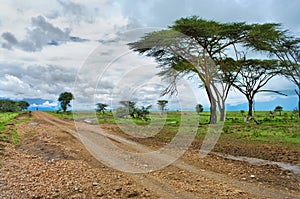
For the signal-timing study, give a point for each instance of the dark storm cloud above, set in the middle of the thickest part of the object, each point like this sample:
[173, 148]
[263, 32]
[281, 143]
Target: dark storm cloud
[41, 34]
[10, 40]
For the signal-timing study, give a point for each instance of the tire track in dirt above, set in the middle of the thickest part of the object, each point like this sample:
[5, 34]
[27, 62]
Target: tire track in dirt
[163, 189]
[157, 184]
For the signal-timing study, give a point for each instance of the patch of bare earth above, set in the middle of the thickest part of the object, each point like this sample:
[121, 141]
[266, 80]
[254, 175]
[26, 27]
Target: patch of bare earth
[51, 163]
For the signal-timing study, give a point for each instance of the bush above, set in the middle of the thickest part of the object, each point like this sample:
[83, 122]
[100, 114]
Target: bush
[122, 112]
[12, 106]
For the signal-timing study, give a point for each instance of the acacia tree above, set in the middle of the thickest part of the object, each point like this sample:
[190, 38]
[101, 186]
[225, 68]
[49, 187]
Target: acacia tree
[162, 105]
[143, 112]
[194, 46]
[253, 76]
[129, 107]
[285, 47]
[278, 109]
[101, 107]
[289, 54]
[65, 100]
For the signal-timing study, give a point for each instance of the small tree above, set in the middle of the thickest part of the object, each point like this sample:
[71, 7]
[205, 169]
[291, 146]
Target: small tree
[101, 107]
[162, 105]
[199, 108]
[253, 76]
[278, 109]
[121, 112]
[129, 108]
[242, 112]
[143, 112]
[65, 100]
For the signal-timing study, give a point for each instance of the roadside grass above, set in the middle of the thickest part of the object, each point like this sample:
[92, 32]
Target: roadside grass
[61, 115]
[23, 120]
[10, 134]
[5, 119]
[14, 137]
[107, 117]
[282, 129]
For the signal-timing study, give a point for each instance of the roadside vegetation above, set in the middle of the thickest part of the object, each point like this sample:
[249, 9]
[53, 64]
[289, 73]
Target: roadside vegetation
[8, 132]
[274, 128]
[9, 110]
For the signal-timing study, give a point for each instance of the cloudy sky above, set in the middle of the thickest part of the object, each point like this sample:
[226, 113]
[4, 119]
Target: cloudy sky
[51, 46]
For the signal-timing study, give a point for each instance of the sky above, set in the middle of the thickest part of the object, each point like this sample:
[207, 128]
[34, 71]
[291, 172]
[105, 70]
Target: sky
[52, 46]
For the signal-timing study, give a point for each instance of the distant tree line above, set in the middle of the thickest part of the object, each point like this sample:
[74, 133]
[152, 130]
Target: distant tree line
[7, 105]
[129, 109]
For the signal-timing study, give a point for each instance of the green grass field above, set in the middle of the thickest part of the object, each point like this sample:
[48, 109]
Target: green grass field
[283, 129]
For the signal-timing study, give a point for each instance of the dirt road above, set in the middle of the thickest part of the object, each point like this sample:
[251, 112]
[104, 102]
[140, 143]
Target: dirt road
[52, 162]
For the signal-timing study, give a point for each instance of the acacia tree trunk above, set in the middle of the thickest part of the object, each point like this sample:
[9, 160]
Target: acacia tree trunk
[222, 110]
[299, 104]
[222, 114]
[298, 94]
[250, 107]
[213, 113]
[213, 106]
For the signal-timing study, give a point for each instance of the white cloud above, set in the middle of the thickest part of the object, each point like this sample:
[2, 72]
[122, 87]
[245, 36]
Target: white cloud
[46, 104]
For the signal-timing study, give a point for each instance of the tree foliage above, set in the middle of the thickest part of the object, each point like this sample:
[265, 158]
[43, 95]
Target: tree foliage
[253, 76]
[215, 53]
[283, 45]
[199, 108]
[129, 109]
[13, 106]
[193, 46]
[162, 105]
[278, 109]
[23, 105]
[65, 100]
[101, 107]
